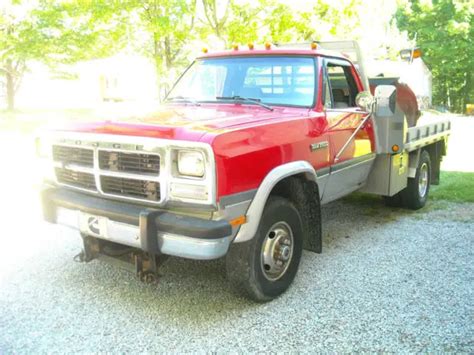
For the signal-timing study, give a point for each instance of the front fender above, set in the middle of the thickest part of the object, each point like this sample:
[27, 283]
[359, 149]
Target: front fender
[255, 210]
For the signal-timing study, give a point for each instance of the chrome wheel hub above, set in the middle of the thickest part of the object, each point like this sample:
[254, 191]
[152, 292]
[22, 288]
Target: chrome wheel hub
[277, 251]
[423, 180]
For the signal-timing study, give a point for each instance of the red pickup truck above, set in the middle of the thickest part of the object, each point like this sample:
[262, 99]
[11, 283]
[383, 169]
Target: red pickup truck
[237, 163]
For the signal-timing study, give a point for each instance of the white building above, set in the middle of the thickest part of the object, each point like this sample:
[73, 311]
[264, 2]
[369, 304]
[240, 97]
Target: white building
[122, 78]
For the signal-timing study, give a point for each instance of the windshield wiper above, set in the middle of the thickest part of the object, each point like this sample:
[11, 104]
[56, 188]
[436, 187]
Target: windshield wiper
[183, 99]
[245, 99]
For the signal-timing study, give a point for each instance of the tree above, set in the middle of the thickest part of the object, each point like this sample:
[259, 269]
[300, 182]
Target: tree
[169, 27]
[215, 20]
[444, 30]
[53, 33]
[240, 23]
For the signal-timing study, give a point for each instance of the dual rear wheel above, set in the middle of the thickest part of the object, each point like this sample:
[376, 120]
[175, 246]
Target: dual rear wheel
[415, 195]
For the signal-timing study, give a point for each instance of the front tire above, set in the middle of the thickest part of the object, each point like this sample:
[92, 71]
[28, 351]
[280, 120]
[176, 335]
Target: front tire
[265, 266]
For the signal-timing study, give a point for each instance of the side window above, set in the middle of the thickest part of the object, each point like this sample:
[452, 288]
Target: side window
[343, 86]
[327, 94]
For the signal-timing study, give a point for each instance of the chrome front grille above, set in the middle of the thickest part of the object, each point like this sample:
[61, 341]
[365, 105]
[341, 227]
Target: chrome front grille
[122, 173]
[76, 179]
[74, 155]
[129, 162]
[142, 189]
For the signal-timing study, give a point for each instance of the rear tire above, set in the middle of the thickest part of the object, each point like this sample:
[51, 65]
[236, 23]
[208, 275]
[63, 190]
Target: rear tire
[415, 195]
[265, 266]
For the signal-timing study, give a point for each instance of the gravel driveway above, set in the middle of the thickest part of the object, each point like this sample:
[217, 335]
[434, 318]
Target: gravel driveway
[388, 280]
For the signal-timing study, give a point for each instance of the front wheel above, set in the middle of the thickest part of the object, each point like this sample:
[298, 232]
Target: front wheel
[264, 267]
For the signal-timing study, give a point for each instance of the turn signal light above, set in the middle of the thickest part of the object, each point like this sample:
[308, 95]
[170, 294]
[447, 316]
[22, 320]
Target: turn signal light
[395, 148]
[238, 221]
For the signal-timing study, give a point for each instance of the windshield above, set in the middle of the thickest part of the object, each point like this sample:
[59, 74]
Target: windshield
[275, 80]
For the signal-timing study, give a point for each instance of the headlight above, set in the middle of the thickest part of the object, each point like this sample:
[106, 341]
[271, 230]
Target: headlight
[191, 163]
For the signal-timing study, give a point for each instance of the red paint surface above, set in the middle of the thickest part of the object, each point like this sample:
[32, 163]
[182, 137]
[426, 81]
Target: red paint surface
[248, 140]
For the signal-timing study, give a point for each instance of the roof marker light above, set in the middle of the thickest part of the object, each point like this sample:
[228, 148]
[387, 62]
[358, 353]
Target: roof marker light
[235, 47]
[204, 50]
[251, 46]
[268, 45]
[314, 45]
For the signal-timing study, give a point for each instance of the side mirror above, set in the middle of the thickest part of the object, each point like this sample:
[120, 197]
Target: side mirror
[385, 100]
[365, 101]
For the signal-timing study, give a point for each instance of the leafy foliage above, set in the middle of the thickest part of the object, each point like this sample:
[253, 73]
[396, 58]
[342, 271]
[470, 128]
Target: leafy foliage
[168, 26]
[55, 32]
[444, 30]
[168, 31]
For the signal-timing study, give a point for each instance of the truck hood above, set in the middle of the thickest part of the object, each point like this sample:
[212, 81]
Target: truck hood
[188, 122]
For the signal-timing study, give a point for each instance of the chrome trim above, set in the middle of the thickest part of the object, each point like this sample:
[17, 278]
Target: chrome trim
[118, 232]
[323, 171]
[128, 234]
[255, 211]
[239, 197]
[193, 248]
[320, 145]
[352, 162]
[138, 152]
[347, 176]
[417, 144]
[277, 251]
[423, 180]
[140, 145]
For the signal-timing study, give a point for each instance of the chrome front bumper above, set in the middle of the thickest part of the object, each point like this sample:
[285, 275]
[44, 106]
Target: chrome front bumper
[156, 232]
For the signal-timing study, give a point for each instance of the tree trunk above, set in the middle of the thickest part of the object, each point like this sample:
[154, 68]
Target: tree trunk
[467, 91]
[10, 85]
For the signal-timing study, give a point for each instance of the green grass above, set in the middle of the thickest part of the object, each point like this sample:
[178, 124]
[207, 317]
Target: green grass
[454, 187]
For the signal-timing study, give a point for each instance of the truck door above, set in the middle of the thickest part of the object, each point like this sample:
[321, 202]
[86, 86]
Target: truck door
[351, 156]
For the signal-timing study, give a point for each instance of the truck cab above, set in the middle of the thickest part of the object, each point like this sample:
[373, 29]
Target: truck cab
[236, 163]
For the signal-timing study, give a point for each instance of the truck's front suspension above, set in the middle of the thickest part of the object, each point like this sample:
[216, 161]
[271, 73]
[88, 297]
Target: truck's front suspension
[144, 265]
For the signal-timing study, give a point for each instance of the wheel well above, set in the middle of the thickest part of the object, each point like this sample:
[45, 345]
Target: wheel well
[436, 151]
[304, 194]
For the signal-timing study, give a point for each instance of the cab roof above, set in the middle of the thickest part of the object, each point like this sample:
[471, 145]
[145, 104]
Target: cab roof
[272, 52]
